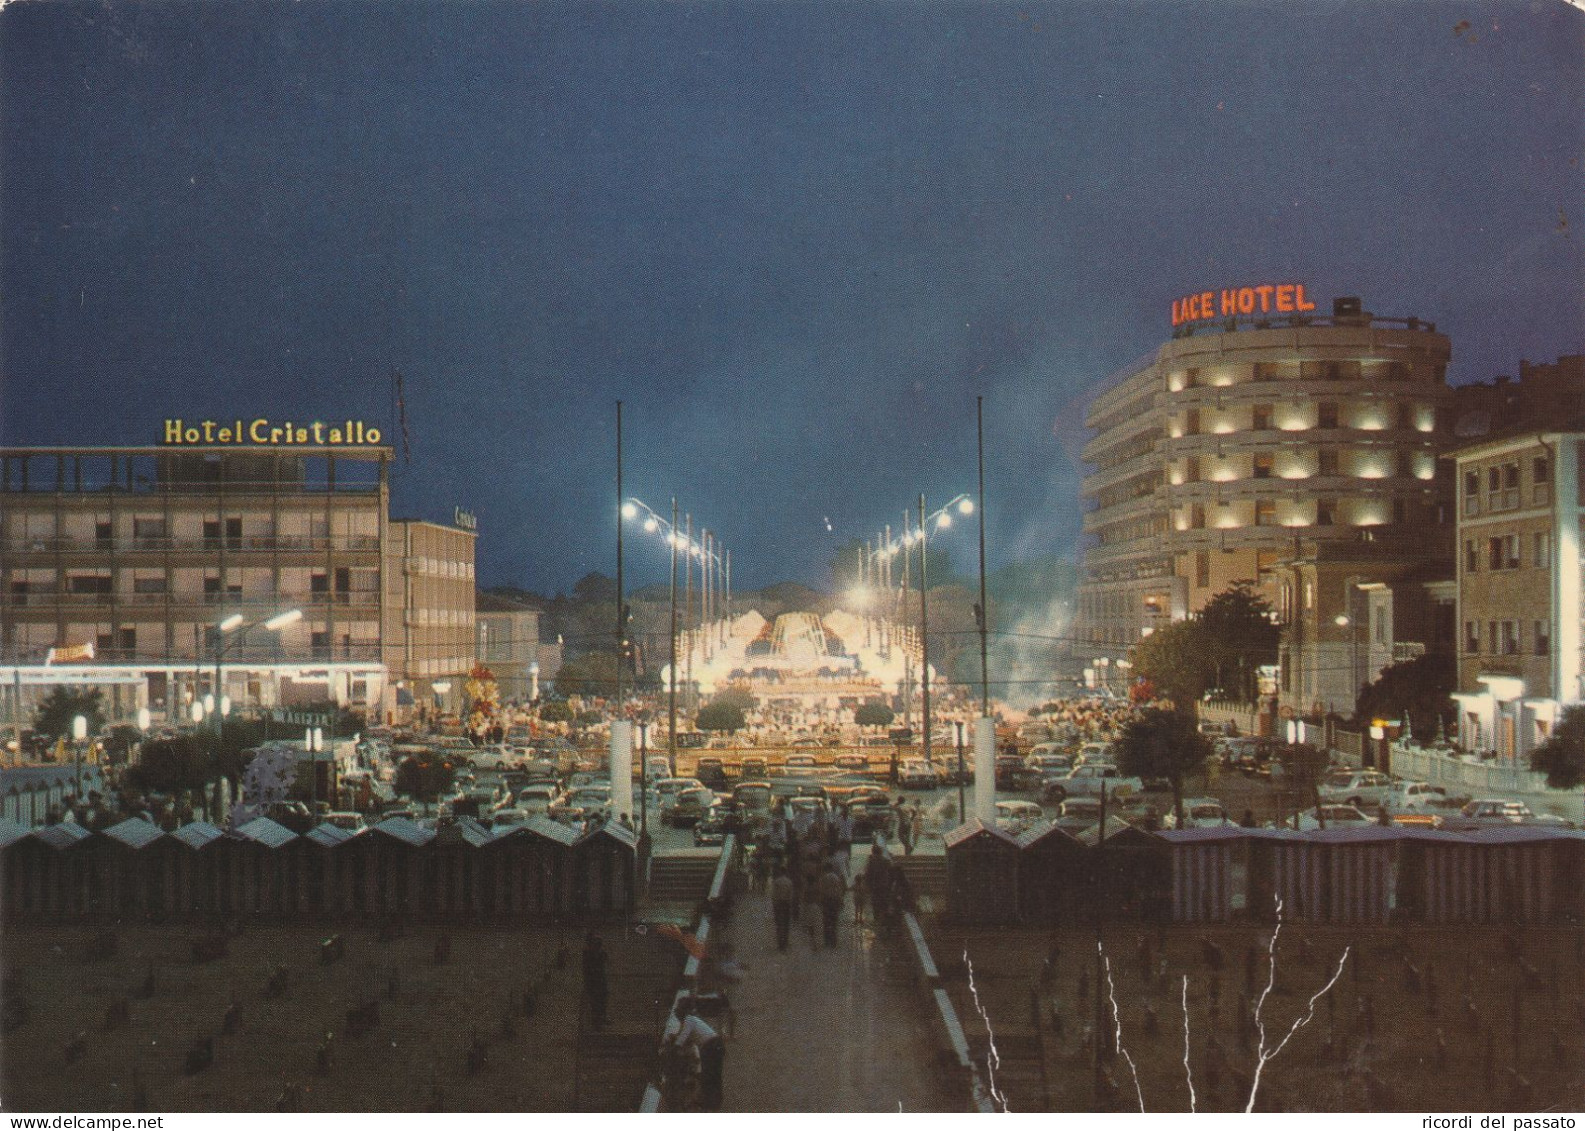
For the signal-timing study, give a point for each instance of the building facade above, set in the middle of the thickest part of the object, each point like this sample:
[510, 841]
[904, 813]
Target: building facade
[119, 565]
[429, 640]
[1521, 594]
[509, 645]
[1253, 441]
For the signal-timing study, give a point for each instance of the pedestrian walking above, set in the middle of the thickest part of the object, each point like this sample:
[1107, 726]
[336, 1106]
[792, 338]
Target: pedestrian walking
[861, 894]
[595, 987]
[905, 826]
[916, 819]
[833, 891]
[781, 905]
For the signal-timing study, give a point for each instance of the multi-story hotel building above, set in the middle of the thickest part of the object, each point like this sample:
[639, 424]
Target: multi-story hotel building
[1253, 441]
[148, 571]
[123, 562]
[429, 620]
[1521, 592]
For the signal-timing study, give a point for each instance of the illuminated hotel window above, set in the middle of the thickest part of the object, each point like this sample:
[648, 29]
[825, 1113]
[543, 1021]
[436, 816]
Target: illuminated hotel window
[1325, 512]
[1191, 469]
[1191, 420]
[1265, 512]
[1326, 415]
[1260, 418]
[1264, 461]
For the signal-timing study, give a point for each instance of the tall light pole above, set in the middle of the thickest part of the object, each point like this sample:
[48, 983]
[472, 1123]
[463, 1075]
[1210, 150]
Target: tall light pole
[984, 610]
[621, 613]
[671, 691]
[924, 624]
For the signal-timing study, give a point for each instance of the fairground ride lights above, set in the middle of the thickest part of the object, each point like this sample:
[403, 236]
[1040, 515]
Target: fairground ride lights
[350, 433]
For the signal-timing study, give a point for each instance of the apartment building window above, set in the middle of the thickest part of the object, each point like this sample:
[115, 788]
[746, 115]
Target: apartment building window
[1471, 556]
[1541, 482]
[1541, 633]
[88, 584]
[211, 534]
[1265, 464]
[127, 641]
[1191, 419]
[1326, 415]
[1260, 418]
[1542, 550]
[1197, 516]
[1326, 461]
[319, 583]
[148, 533]
[1471, 637]
[233, 533]
[104, 535]
[211, 590]
[1325, 512]
[1504, 552]
[1493, 641]
[1265, 512]
[1510, 638]
[147, 586]
[1191, 469]
[1502, 485]
[1266, 371]
[1471, 493]
[1202, 570]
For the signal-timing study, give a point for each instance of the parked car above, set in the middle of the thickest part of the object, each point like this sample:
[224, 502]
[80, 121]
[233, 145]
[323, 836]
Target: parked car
[1016, 816]
[916, 773]
[582, 803]
[752, 769]
[1010, 771]
[800, 761]
[1088, 780]
[668, 788]
[1198, 813]
[1488, 813]
[1369, 788]
[1414, 797]
[535, 797]
[687, 808]
[710, 771]
[1337, 817]
[711, 828]
[352, 822]
[852, 763]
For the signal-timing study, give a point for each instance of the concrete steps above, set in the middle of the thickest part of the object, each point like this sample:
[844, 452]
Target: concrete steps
[678, 879]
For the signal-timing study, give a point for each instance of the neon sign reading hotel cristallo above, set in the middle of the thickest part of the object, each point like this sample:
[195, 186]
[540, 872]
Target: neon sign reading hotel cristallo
[1268, 298]
[349, 433]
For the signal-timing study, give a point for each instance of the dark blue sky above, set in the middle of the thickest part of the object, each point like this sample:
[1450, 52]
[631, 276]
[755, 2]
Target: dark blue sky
[796, 239]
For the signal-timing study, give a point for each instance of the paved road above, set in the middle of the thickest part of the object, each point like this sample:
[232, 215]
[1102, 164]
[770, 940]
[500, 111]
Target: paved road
[826, 1030]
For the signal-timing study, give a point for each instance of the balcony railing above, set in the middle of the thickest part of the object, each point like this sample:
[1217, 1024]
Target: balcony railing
[272, 544]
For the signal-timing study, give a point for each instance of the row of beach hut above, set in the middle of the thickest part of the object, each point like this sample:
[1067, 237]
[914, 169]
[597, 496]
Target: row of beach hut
[1512, 875]
[537, 872]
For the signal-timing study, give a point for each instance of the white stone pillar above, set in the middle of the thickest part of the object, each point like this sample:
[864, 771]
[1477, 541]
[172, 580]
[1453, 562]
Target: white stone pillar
[622, 768]
[985, 770]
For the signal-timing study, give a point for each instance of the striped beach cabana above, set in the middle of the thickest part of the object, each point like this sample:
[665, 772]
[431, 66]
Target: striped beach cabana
[982, 873]
[1360, 881]
[258, 874]
[136, 860]
[196, 873]
[1209, 873]
[324, 872]
[604, 866]
[1131, 871]
[393, 866]
[1053, 876]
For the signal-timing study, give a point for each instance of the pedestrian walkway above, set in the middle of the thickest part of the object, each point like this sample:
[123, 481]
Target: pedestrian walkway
[826, 1029]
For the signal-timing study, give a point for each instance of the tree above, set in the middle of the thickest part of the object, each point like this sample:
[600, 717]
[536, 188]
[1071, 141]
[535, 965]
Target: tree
[719, 715]
[1562, 756]
[1420, 690]
[739, 697]
[1176, 658]
[424, 778]
[1241, 635]
[63, 704]
[588, 675]
[874, 714]
[555, 711]
[1163, 744]
[171, 765]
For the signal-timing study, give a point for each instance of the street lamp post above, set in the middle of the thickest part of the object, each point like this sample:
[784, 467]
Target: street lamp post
[924, 627]
[962, 801]
[224, 643]
[643, 777]
[79, 736]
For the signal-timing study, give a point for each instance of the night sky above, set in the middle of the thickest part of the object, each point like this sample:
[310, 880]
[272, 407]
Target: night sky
[796, 240]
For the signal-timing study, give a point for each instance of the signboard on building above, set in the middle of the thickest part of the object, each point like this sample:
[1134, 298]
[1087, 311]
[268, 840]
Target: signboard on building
[1267, 298]
[466, 520]
[266, 433]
